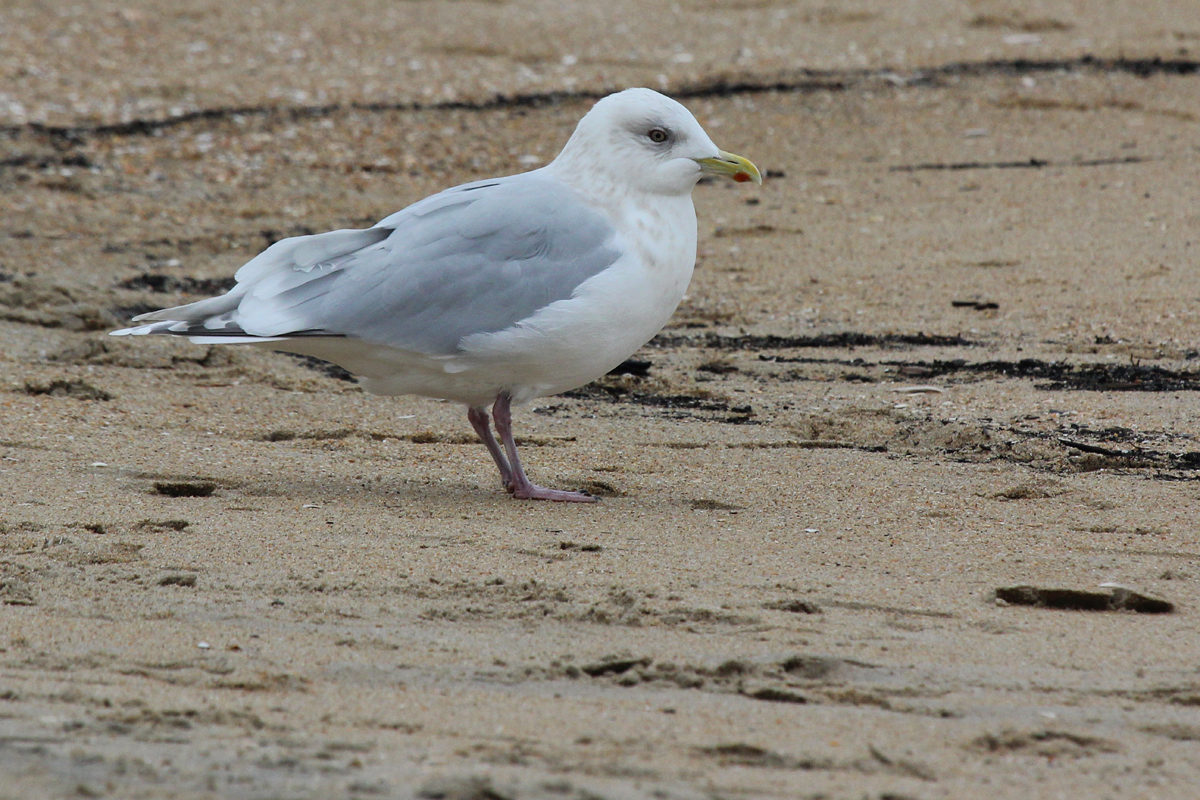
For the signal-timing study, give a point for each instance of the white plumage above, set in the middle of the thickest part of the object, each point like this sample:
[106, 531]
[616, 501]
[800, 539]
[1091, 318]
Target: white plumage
[497, 291]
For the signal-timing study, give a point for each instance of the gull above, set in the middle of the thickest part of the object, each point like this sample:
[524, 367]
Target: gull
[497, 291]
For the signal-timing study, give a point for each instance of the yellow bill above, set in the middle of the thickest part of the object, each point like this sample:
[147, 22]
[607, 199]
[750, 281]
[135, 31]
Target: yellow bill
[731, 166]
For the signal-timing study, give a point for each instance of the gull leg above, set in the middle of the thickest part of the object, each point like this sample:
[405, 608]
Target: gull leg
[483, 427]
[521, 487]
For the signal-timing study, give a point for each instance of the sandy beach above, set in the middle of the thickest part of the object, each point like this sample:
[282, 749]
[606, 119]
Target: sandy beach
[949, 348]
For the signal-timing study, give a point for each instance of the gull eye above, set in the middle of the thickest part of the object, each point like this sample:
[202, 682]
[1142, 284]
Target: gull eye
[657, 135]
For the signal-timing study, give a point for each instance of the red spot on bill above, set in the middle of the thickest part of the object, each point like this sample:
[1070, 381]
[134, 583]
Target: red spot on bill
[742, 177]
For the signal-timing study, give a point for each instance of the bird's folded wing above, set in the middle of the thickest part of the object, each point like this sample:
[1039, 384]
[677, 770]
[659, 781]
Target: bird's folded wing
[297, 256]
[474, 259]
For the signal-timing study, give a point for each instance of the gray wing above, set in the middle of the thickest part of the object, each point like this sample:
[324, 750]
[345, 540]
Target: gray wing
[474, 259]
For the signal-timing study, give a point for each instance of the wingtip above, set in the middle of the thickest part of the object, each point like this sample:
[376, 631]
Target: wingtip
[137, 330]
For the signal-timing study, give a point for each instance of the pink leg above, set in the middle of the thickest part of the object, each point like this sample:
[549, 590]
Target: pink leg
[483, 427]
[521, 487]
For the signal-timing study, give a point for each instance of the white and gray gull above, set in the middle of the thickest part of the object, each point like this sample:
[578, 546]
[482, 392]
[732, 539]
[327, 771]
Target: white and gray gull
[497, 291]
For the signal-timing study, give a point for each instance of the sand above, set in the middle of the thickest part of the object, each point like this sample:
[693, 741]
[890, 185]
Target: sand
[949, 347]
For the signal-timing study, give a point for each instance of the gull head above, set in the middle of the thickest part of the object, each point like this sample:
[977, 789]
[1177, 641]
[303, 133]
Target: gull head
[642, 140]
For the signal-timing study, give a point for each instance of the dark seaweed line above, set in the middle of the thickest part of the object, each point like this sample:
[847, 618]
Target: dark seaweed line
[1060, 376]
[1057, 375]
[1134, 458]
[1165, 465]
[41, 162]
[800, 81]
[1033, 163]
[848, 339]
[615, 394]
